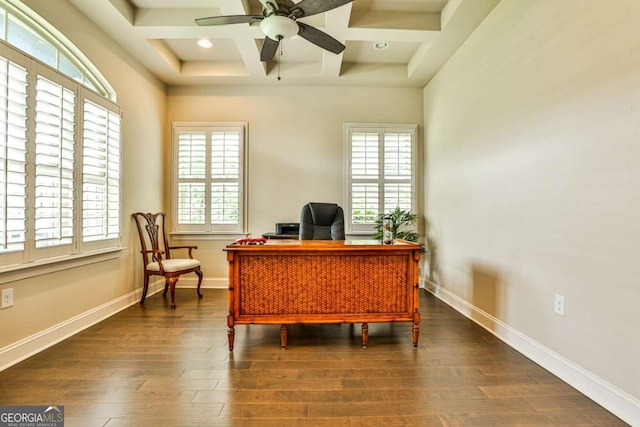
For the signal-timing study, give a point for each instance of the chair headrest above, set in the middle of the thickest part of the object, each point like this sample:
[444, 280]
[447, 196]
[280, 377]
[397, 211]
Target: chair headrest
[323, 213]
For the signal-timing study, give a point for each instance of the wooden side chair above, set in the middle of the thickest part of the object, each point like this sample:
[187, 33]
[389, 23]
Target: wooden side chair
[157, 256]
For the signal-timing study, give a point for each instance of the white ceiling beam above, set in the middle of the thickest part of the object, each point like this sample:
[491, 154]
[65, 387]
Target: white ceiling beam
[337, 21]
[367, 34]
[125, 8]
[251, 56]
[460, 24]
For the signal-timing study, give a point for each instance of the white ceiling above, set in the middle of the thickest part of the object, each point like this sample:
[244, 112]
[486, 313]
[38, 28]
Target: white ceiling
[162, 34]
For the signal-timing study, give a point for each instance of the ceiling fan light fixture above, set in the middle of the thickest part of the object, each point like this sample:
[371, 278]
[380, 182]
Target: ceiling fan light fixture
[278, 27]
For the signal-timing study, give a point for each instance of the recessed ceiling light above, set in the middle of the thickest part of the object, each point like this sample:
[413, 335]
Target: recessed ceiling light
[380, 45]
[206, 43]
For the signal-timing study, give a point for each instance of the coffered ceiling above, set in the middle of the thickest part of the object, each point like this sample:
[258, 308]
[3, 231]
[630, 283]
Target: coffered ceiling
[420, 36]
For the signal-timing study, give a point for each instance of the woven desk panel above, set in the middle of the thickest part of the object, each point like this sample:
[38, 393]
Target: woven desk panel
[328, 284]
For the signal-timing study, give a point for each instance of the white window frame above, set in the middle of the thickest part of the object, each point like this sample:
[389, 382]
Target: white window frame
[66, 54]
[381, 129]
[31, 257]
[207, 229]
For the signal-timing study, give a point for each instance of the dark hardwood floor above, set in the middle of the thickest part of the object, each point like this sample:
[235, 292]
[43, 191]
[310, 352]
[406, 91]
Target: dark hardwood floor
[153, 366]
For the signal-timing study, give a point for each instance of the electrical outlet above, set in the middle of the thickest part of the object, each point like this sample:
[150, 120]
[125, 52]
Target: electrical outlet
[7, 298]
[558, 304]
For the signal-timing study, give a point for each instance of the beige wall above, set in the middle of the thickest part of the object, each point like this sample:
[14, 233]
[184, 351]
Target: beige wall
[295, 144]
[533, 136]
[45, 301]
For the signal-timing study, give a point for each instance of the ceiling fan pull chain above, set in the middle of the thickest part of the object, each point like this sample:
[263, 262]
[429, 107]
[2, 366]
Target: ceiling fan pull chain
[279, 59]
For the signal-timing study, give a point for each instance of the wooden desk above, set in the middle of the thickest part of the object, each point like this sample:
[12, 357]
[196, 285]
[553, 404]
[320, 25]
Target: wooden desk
[323, 281]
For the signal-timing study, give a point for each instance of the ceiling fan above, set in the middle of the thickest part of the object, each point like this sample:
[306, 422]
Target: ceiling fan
[279, 20]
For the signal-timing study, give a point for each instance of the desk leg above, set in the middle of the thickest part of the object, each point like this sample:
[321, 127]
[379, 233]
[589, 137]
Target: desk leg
[365, 334]
[283, 336]
[231, 334]
[416, 328]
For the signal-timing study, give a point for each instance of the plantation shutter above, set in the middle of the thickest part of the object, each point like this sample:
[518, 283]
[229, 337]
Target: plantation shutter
[208, 188]
[380, 172]
[101, 173]
[54, 138]
[225, 177]
[365, 177]
[398, 171]
[13, 141]
[192, 177]
[44, 185]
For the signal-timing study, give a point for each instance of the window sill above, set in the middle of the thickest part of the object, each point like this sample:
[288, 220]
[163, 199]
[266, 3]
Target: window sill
[12, 273]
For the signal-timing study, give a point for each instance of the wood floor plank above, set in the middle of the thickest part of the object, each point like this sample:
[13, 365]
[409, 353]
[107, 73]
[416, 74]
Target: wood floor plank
[151, 365]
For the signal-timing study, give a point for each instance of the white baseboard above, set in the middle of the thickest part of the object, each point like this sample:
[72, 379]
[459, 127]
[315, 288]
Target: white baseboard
[207, 283]
[623, 405]
[27, 347]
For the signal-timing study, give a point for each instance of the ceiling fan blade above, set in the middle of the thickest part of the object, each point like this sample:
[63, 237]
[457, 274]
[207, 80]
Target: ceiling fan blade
[231, 19]
[287, 3]
[313, 7]
[269, 49]
[320, 38]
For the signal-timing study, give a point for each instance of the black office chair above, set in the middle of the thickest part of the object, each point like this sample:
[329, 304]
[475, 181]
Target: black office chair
[321, 221]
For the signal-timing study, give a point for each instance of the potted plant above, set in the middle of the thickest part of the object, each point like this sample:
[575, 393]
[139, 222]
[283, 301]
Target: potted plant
[402, 225]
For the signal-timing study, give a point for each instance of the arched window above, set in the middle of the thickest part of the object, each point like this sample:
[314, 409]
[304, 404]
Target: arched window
[25, 30]
[60, 147]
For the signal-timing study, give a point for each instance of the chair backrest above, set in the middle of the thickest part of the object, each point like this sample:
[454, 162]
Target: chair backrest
[153, 235]
[321, 221]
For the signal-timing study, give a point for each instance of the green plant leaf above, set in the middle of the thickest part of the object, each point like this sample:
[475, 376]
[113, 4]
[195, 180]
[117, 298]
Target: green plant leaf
[403, 222]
